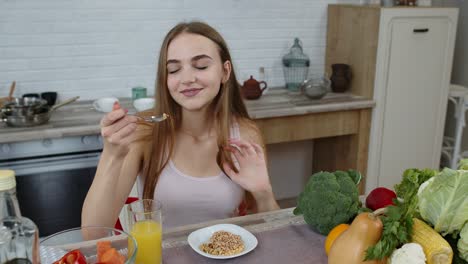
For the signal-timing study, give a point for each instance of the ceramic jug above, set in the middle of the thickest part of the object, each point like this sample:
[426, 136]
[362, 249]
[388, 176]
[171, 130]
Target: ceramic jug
[405, 2]
[252, 89]
[340, 78]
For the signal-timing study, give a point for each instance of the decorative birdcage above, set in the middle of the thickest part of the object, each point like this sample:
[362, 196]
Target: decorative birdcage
[295, 66]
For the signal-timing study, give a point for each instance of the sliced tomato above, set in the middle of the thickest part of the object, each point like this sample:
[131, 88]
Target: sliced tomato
[72, 257]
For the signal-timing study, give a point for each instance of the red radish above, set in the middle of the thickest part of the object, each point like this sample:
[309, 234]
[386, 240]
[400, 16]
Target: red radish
[380, 197]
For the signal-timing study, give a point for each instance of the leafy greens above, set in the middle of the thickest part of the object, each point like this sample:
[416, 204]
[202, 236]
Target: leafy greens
[398, 219]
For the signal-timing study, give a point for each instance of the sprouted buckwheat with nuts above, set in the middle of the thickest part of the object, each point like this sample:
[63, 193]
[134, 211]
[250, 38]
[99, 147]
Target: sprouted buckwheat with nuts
[223, 243]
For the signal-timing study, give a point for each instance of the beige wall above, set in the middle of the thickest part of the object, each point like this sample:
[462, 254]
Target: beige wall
[460, 62]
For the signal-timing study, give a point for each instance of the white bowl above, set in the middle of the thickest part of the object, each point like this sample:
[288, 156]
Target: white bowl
[143, 104]
[203, 235]
[105, 104]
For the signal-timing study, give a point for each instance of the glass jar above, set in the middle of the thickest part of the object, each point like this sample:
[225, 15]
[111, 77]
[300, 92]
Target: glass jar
[295, 67]
[138, 92]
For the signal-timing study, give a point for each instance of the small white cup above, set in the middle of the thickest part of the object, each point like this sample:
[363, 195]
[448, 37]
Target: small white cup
[143, 104]
[105, 104]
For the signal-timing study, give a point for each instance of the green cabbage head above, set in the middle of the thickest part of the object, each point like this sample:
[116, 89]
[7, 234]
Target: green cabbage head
[463, 243]
[443, 201]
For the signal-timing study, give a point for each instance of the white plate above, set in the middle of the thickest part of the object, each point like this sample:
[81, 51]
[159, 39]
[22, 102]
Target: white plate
[203, 235]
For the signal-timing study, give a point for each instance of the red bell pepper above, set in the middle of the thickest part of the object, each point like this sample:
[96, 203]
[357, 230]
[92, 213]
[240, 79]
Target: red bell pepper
[72, 257]
[380, 197]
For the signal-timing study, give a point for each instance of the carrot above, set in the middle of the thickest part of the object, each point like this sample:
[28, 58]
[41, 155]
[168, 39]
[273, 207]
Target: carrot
[112, 256]
[102, 247]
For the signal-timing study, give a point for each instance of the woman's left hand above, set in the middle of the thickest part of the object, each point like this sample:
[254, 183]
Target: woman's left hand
[252, 172]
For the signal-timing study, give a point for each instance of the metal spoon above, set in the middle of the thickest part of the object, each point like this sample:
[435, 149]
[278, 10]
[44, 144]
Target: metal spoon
[154, 119]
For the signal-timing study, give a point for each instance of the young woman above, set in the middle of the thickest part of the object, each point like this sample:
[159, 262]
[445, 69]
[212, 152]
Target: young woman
[204, 161]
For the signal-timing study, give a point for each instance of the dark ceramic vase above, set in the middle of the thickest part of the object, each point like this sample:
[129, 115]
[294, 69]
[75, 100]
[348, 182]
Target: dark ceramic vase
[340, 78]
[405, 2]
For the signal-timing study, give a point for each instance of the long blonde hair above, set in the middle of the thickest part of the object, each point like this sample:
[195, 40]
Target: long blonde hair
[227, 107]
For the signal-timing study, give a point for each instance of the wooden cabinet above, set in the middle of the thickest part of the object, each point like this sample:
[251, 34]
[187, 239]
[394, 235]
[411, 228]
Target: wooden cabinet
[401, 57]
[339, 126]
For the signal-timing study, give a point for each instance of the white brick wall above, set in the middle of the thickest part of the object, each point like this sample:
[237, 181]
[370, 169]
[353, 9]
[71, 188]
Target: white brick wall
[96, 48]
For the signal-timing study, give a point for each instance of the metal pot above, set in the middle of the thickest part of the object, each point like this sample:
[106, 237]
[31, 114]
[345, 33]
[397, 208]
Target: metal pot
[26, 121]
[26, 106]
[34, 119]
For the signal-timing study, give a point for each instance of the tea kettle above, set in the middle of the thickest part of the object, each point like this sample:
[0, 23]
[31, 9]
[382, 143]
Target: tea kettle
[252, 88]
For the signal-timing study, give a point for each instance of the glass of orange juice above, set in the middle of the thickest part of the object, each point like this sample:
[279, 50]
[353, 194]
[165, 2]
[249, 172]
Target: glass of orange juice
[145, 225]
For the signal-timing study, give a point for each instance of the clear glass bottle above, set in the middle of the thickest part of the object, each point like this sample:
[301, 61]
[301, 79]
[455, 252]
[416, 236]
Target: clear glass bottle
[9, 206]
[19, 236]
[19, 241]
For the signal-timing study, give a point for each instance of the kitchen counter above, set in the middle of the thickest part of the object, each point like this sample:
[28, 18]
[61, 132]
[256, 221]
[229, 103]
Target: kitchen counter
[338, 124]
[81, 119]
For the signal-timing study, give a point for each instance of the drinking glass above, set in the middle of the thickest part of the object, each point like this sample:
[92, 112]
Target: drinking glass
[145, 225]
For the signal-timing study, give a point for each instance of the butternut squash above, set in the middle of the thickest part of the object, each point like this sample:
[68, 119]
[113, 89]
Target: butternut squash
[350, 247]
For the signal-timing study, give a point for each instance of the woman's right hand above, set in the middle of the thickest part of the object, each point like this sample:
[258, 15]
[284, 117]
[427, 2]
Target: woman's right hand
[117, 130]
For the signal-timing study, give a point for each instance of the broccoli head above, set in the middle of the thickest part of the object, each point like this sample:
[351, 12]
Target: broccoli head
[328, 200]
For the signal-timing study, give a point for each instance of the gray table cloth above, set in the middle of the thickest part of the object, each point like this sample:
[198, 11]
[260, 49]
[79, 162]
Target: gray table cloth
[290, 244]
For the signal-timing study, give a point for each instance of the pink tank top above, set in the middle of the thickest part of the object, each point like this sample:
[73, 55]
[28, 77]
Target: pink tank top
[189, 200]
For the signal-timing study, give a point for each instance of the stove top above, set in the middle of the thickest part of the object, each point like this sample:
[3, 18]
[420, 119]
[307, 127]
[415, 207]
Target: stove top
[53, 146]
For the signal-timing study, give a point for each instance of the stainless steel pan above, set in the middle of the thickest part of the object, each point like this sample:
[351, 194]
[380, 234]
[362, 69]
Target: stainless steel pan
[34, 119]
[23, 106]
